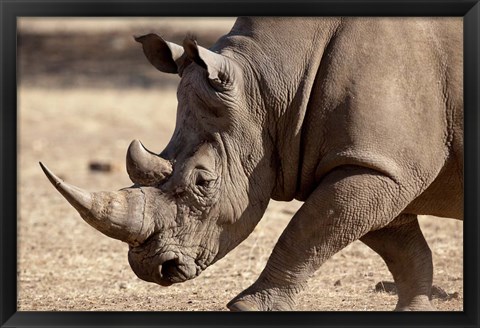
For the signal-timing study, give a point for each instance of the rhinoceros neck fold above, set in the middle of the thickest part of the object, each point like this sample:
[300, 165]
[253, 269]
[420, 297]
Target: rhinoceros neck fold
[286, 83]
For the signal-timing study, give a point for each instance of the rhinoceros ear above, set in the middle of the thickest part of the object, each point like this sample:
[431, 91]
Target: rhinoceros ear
[215, 64]
[165, 56]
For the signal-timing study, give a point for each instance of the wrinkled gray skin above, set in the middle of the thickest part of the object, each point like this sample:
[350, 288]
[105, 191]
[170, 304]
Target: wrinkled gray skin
[360, 118]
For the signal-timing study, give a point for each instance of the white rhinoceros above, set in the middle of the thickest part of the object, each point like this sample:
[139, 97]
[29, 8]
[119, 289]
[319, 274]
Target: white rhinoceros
[360, 118]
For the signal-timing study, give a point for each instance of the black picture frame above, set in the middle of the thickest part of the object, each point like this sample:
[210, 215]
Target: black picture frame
[10, 10]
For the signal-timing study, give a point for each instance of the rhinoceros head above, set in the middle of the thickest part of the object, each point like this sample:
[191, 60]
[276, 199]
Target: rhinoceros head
[204, 194]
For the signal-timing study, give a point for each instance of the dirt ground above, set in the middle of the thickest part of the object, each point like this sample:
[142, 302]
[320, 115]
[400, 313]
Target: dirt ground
[85, 92]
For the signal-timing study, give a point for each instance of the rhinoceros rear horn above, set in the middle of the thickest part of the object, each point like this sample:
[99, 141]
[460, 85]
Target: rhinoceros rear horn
[118, 214]
[166, 56]
[144, 167]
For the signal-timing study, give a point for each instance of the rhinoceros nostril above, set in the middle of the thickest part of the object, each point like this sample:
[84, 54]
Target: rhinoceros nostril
[169, 268]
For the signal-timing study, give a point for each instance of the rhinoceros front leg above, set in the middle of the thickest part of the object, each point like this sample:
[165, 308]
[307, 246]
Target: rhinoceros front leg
[349, 202]
[405, 251]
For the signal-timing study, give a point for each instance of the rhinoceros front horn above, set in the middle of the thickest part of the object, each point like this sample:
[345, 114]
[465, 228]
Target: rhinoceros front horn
[118, 214]
[144, 167]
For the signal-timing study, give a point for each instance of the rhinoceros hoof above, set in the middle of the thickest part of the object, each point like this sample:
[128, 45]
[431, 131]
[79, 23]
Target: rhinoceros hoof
[245, 306]
[253, 299]
[417, 303]
[242, 306]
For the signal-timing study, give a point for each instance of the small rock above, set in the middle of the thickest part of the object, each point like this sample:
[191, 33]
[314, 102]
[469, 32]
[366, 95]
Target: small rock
[437, 292]
[122, 285]
[100, 166]
[287, 211]
[386, 287]
[337, 283]
[440, 293]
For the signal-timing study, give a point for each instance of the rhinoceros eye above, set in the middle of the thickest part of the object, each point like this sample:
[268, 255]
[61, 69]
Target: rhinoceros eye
[219, 82]
[216, 84]
[204, 178]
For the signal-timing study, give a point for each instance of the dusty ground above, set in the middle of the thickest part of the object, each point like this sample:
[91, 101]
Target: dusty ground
[86, 91]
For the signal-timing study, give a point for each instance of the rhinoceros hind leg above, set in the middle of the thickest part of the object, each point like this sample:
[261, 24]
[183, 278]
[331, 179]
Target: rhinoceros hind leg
[402, 245]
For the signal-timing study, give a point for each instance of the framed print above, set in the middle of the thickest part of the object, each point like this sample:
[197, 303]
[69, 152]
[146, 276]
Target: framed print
[293, 161]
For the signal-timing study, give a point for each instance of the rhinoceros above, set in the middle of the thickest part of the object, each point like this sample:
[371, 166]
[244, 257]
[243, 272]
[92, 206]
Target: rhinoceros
[359, 118]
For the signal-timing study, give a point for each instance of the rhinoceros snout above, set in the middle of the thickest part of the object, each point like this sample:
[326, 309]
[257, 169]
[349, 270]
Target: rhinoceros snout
[165, 269]
[175, 271]
[170, 271]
